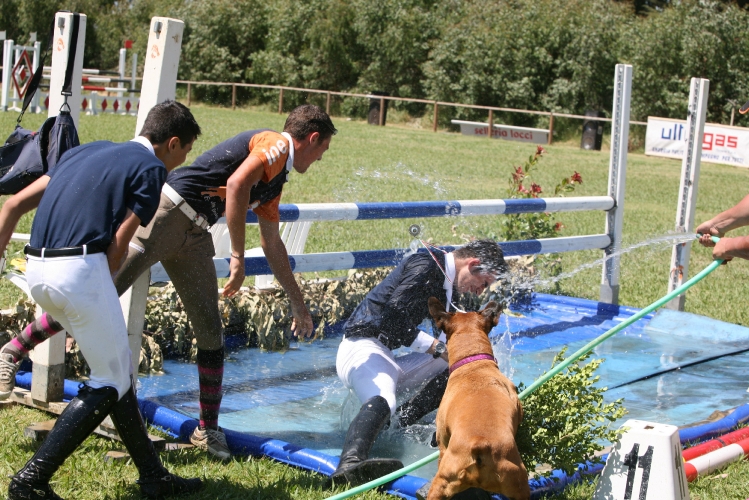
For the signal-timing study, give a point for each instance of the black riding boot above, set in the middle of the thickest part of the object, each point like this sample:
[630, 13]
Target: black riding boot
[426, 401]
[79, 419]
[354, 467]
[155, 480]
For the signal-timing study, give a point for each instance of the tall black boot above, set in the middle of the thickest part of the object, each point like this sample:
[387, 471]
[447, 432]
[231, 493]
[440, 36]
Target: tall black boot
[354, 467]
[81, 417]
[426, 401]
[155, 480]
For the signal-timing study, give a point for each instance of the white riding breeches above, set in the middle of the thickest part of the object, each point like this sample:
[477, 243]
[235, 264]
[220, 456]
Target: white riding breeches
[369, 368]
[79, 292]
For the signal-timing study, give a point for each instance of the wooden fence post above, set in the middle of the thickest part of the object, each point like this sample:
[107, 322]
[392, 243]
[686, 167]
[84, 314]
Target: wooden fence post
[491, 123]
[551, 128]
[382, 111]
[280, 102]
[327, 103]
[189, 94]
[434, 120]
[233, 97]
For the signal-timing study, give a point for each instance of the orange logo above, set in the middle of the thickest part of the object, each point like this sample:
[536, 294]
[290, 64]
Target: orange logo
[154, 51]
[60, 45]
[218, 191]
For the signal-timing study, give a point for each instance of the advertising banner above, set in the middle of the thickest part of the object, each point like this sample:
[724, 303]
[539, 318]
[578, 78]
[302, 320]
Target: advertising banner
[720, 143]
[507, 132]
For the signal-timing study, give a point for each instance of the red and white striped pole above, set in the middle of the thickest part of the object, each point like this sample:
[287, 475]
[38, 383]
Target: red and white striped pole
[716, 459]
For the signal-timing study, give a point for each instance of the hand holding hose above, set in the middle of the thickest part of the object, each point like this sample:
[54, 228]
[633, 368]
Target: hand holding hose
[724, 249]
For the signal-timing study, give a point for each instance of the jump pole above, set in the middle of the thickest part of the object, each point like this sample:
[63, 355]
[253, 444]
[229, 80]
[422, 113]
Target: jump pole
[617, 175]
[159, 84]
[49, 357]
[690, 175]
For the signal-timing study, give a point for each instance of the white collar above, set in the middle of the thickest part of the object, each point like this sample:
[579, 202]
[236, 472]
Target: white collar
[144, 142]
[290, 159]
[449, 277]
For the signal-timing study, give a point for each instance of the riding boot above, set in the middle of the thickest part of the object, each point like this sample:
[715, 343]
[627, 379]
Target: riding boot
[426, 401]
[79, 419]
[155, 480]
[354, 468]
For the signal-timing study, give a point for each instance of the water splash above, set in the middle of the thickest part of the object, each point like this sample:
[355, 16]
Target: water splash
[659, 242]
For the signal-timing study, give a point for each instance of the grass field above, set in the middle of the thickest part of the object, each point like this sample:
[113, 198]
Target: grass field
[405, 163]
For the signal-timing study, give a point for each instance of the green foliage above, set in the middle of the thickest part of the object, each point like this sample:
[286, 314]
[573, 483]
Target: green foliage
[694, 39]
[566, 419]
[522, 54]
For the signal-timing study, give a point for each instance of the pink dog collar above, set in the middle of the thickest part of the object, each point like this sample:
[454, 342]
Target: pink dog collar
[470, 359]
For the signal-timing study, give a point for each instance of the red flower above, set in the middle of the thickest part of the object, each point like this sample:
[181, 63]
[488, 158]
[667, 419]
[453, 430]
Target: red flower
[518, 175]
[521, 189]
[540, 151]
[576, 178]
[535, 188]
[558, 226]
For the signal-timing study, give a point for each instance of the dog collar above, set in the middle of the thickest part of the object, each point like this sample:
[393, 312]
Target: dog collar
[470, 359]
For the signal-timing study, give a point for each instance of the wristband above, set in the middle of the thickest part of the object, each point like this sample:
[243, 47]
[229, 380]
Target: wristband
[236, 256]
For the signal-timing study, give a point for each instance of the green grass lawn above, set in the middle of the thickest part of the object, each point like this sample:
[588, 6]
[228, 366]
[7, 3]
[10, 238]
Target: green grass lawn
[407, 163]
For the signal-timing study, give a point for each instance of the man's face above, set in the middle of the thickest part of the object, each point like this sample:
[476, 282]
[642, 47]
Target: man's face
[176, 154]
[468, 279]
[311, 152]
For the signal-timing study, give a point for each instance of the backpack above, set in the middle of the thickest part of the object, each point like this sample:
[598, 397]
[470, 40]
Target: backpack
[27, 155]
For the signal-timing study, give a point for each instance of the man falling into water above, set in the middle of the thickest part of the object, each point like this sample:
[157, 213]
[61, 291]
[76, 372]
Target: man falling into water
[387, 319]
[248, 170]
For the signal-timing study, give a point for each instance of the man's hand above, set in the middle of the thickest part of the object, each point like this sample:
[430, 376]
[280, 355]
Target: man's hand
[302, 324]
[115, 259]
[707, 230]
[236, 277]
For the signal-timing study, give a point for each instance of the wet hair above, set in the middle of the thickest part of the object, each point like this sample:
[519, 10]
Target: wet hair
[488, 252]
[170, 119]
[307, 118]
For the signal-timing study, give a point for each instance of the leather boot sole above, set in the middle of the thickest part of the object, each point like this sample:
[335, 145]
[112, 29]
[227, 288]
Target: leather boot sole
[366, 471]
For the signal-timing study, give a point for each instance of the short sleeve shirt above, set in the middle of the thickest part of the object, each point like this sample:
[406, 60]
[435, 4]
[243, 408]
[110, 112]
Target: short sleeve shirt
[90, 191]
[203, 184]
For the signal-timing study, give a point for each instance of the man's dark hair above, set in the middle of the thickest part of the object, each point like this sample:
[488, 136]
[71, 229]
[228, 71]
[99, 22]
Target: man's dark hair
[170, 119]
[307, 118]
[488, 252]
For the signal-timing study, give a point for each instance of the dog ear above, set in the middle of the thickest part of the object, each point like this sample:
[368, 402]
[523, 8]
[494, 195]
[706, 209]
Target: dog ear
[491, 313]
[437, 310]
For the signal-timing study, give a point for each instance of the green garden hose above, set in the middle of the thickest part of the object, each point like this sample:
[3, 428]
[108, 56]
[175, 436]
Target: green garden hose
[545, 377]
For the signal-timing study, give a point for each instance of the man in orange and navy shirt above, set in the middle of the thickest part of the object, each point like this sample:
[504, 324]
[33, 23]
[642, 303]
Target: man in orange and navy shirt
[248, 170]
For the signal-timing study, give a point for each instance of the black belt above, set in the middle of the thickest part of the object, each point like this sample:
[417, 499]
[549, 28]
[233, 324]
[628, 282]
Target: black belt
[65, 252]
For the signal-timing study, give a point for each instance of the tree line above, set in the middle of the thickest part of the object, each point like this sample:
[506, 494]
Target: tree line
[528, 54]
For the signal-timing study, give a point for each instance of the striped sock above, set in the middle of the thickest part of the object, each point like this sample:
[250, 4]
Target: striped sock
[210, 378]
[34, 334]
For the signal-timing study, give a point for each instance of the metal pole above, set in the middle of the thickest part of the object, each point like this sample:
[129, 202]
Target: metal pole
[382, 111]
[189, 93]
[233, 97]
[690, 176]
[617, 176]
[491, 123]
[434, 120]
[327, 103]
[551, 128]
[280, 102]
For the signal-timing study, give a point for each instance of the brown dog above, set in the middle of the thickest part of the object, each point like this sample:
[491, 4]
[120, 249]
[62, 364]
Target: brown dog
[479, 414]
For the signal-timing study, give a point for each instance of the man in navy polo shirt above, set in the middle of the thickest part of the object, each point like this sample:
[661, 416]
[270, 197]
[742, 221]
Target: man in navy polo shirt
[89, 206]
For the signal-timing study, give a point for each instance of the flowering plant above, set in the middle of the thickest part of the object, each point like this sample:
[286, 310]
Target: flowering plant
[533, 225]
